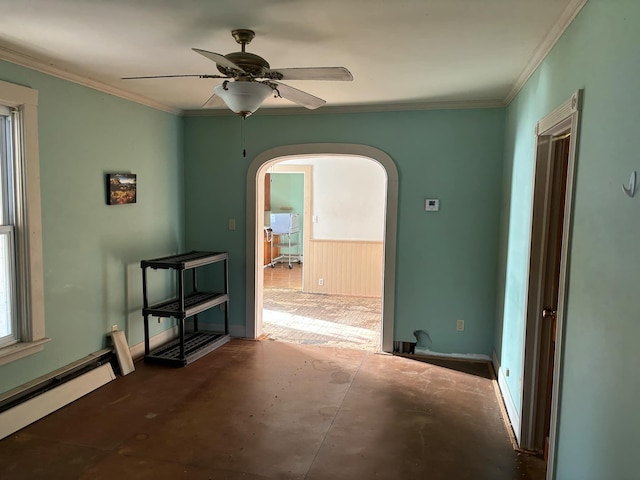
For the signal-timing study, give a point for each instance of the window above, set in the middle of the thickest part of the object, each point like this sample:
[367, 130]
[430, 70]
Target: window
[9, 332]
[21, 287]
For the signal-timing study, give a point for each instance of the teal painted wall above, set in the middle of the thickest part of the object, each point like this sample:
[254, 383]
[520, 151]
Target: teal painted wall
[598, 421]
[446, 261]
[287, 190]
[91, 251]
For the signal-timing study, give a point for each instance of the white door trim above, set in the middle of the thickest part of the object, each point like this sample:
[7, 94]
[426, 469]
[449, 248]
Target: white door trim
[256, 204]
[307, 172]
[564, 118]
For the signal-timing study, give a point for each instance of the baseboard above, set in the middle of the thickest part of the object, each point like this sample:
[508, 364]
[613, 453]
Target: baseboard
[37, 407]
[495, 362]
[235, 331]
[137, 350]
[469, 357]
[509, 404]
[32, 386]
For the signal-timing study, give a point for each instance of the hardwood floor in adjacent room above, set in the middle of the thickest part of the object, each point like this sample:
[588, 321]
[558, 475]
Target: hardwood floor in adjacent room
[280, 276]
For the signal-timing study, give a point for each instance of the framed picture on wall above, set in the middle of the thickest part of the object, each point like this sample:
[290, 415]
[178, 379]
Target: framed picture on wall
[121, 188]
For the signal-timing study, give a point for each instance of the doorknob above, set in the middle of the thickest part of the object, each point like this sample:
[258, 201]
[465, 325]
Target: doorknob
[548, 313]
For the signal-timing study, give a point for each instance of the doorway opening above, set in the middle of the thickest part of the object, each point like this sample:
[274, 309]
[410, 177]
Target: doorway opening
[551, 220]
[255, 224]
[334, 296]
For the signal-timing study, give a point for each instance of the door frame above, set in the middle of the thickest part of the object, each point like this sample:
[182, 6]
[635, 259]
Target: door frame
[564, 119]
[254, 248]
[307, 172]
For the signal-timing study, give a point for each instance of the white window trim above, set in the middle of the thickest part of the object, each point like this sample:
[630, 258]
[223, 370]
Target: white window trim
[33, 332]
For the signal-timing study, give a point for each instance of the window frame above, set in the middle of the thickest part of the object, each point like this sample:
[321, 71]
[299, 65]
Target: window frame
[8, 231]
[30, 285]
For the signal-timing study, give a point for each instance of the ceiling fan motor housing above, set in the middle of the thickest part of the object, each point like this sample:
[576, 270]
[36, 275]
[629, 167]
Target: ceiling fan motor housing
[254, 65]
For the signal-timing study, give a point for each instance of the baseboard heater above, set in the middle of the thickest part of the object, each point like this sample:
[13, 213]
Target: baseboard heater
[30, 402]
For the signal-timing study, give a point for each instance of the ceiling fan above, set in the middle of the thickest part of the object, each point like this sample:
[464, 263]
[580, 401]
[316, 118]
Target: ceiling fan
[249, 79]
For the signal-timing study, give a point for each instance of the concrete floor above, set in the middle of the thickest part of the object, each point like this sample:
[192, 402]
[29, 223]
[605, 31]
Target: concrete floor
[271, 410]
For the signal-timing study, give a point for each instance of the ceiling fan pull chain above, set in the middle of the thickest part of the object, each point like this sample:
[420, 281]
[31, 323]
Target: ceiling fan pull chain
[242, 134]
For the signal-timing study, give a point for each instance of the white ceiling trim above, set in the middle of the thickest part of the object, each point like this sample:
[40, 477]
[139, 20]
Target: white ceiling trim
[545, 46]
[40, 66]
[392, 107]
[540, 53]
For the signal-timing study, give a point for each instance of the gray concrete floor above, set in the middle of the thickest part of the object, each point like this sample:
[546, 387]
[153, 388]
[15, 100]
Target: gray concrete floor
[271, 410]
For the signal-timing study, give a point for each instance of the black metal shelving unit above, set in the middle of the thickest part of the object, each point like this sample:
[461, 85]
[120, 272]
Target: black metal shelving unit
[189, 346]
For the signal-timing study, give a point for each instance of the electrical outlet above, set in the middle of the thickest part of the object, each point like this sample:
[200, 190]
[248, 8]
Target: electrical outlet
[314, 219]
[506, 372]
[232, 224]
[460, 325]
[321, 281]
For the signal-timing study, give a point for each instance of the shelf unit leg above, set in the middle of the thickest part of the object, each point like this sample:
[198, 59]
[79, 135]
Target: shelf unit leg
[181, 332]
[146, 334]
[226, 291]
[181, 289]
[145, 304]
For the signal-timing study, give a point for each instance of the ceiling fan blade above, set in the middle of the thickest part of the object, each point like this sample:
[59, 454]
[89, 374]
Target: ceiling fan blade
[298, 96]
[173, 76]
[219, 59]
[214, 101]
[315, 73]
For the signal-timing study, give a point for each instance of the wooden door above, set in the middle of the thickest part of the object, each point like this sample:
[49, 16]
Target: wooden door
[551, 281]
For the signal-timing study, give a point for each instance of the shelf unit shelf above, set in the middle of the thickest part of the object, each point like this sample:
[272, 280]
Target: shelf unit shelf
[194, 303]
[189, 346]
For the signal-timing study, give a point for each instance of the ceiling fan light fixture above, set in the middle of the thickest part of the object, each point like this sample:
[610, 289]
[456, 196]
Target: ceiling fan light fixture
[243, 98]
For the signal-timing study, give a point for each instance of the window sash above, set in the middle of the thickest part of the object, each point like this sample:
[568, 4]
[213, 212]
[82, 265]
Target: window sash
[6, 157]
[10, 326]
[9, 331]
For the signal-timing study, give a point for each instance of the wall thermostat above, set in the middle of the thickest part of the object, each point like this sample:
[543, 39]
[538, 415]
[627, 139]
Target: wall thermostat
[432, 204]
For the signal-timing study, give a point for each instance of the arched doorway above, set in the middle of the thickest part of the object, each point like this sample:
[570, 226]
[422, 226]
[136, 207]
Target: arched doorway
[255, 221]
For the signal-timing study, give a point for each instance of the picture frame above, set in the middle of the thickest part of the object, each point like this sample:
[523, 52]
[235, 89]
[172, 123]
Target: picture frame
[121, 188]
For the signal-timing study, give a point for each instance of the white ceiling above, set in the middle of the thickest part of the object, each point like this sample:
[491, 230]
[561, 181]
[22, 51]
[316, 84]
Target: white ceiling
[402, 53]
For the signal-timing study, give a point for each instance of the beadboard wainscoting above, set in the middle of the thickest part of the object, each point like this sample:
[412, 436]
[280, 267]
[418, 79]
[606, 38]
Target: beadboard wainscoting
[346, 267]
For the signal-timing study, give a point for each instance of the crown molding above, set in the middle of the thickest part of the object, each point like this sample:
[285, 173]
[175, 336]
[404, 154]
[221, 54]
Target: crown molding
[32, 63]
[543, 49]
[49, 69]
[338, 109]
[549, 41]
